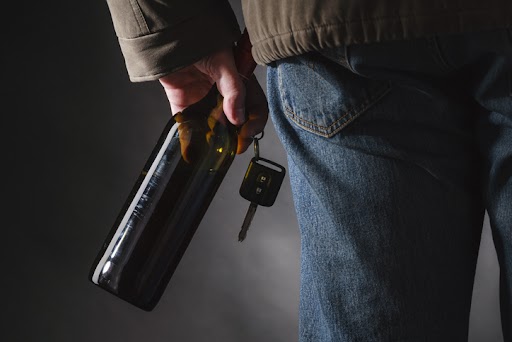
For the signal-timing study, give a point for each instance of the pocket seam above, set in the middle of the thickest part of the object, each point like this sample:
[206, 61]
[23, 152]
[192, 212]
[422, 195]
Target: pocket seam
[329, 131]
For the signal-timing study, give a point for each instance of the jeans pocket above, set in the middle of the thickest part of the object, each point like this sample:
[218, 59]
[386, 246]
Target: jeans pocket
[322, 95]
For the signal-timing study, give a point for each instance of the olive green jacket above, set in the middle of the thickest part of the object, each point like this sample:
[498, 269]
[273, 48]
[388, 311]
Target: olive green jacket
[158, 37]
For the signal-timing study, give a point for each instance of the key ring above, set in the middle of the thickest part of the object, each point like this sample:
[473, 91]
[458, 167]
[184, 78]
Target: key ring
[257, 144]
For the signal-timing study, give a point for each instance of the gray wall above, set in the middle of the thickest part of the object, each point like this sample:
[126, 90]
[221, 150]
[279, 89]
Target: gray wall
[76, 134]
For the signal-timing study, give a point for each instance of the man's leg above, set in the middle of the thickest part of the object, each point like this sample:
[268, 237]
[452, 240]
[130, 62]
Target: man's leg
[487, 69]
[384, 176]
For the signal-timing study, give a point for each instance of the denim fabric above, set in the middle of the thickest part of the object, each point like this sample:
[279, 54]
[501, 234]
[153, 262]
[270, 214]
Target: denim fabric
[395, 151]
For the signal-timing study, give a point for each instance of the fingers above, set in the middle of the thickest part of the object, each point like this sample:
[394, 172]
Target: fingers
[192, 83]
[233, 91]
[221, 68]
[185, 87]
[257, 115]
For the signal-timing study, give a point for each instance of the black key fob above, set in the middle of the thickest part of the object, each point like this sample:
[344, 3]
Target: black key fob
[262, 181]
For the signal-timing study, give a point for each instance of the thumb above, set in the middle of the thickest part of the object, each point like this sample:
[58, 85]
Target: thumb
[222, 69]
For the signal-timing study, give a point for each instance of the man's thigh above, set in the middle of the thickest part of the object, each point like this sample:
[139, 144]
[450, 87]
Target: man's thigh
[383, 176]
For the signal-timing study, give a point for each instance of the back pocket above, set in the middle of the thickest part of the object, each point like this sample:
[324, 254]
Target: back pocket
[323, 96]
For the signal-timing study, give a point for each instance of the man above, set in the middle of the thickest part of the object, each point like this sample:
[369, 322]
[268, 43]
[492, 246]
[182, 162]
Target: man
[397, 121]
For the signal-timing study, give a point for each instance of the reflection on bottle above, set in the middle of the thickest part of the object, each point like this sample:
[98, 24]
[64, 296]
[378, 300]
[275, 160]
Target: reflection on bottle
[167, 203]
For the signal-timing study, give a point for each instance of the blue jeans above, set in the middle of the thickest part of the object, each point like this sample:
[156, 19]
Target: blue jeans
[395, 151]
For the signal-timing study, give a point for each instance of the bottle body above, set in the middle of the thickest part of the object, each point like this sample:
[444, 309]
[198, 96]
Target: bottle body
[167, 203]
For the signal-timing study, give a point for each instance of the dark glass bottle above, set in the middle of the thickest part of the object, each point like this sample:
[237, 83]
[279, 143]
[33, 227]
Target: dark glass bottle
[170, 198]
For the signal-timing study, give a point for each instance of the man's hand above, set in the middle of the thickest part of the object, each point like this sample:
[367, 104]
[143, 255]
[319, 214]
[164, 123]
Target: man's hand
[246, 108]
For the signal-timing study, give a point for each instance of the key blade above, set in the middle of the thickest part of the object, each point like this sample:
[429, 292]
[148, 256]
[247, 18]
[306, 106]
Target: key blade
[247, 221]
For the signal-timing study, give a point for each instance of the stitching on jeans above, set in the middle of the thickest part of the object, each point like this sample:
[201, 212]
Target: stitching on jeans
[280, 83]
[364, 106]
[324, 130]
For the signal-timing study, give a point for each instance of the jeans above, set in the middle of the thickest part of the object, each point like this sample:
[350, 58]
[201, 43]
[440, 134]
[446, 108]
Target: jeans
[395, 152]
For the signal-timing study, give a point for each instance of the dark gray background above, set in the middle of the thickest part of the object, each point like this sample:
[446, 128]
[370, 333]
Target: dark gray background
[76, 133]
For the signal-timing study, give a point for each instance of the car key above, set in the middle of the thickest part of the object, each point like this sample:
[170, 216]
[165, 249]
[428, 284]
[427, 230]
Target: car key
[247, 221]
[260, 186]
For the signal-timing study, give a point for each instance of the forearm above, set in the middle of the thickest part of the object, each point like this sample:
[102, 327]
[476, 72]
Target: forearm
[160, 37]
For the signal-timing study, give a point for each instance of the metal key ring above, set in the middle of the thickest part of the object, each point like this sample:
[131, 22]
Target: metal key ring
[261, 137]
[257, 144]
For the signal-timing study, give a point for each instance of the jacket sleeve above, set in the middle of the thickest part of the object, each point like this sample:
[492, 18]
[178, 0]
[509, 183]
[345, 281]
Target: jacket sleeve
[158, 37]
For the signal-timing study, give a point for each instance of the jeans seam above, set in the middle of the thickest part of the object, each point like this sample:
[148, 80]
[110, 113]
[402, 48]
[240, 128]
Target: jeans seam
[353, 113]
[280, 84]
